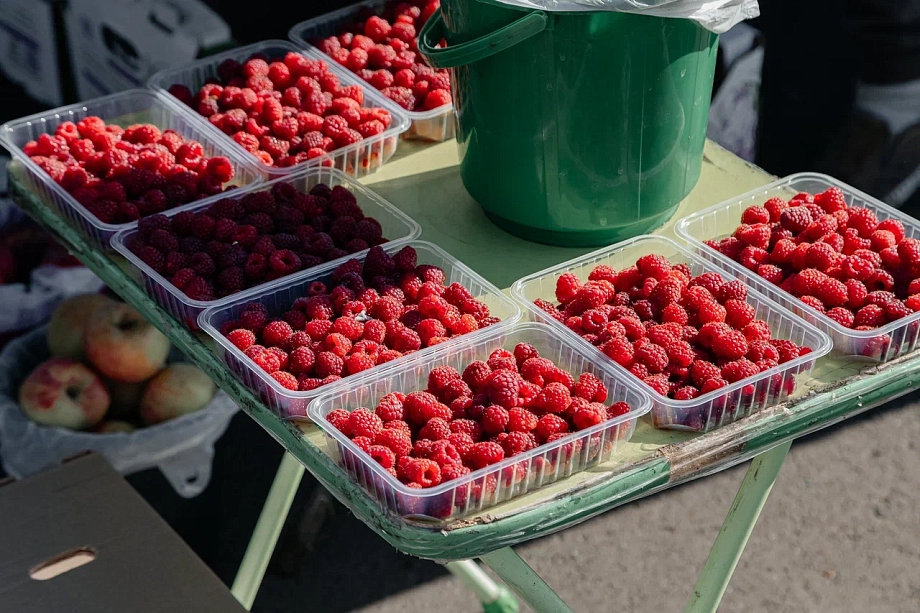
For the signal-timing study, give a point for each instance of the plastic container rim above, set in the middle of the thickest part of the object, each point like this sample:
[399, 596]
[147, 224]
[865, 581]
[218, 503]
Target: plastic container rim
[252, 294]
[335, 388]
[824, 347]
[167, 101]
[681, 230]
[118, 241]
[400, 121]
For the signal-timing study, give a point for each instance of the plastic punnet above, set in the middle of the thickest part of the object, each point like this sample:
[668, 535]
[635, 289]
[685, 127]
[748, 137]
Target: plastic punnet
[436, 125]
[280, 295]
[397, 227]
[881, 344]
[124, 108]
[357, 160]
[514, 476]
[718, 407]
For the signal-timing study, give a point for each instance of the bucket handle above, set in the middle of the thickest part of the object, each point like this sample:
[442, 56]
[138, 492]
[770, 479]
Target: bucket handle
[466, 53]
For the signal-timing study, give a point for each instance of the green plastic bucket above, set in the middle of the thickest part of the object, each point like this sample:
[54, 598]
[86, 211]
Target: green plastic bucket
[575, 129]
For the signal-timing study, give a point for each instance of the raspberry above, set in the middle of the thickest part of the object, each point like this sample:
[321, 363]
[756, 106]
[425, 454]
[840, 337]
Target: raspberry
[820, 256]
[680, 354]
[424, 472]
[337, 344]
[328, 363]
[394, 439]
[795, 219]
[842, 316]
[554, 398]
[567, 286]
[504, 386]
[242, 339]
[435, 429]
[514, 443]
[730, 345]
[762, 350]
[738, 313]
[738, 370]
[591, 415]
[590, 388]
[420, 407]
[713, 384]
[787, 350]
[339, 419]
[832, 199]
[502, 360]
[265, 360]
[301, 360]
[275, 333]
[521, 420]
[701, 371]
[620, 351]
[894, 226]
[909, 251]
[831, 292]
[285, 379]
[549, 425]
[863, 221]
[870, 315]
[484, 454]
[655, 266]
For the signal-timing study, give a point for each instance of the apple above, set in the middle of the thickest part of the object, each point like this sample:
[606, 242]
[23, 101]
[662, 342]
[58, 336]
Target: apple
[63, 392]
[111, 426]
[68, 324]
[124, 346]
[178, 390]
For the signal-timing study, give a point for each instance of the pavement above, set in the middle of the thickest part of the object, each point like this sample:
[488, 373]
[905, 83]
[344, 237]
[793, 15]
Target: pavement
[840, 533]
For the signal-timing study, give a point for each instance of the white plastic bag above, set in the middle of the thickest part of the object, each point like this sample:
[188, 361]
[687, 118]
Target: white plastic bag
[714, 15]
[182, 448]
[26, 307]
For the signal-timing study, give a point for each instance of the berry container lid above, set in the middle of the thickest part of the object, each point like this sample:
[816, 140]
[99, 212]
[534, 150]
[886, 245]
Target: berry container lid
[397, 226]
[718, 407]
[879, 345]
[483, 488]
[278, 297]
[358, 159]
[434, 125]
[124, 108]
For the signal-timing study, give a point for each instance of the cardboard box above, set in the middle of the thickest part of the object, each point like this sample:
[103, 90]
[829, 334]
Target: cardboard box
[29, 48]
[78, 539]
[118, 44]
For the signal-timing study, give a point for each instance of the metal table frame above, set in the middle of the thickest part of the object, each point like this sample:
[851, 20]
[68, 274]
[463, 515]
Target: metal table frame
[838, 390]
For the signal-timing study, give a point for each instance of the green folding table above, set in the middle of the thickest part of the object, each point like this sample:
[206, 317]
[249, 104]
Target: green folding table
[424, 182]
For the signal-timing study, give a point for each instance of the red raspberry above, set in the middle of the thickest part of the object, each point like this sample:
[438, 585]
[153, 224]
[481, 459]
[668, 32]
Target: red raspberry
[870, 315]
[396, 440]
[808, 281]
[276, 332]
[265, 360]
[832, 292]
[590, 388]
[680, 354]
[484, 454]
[337, 344]
[820, 256]
[554, 398]
[711, 312]
[738, 370]
[755, 236]
[435, 429]
[242, 339]
[895, 227]
[521, 420]
[514, 443]
[445, 454]
[363, 422]
[567, 286]
[757, 331]
[359, 362]
[440, 377]
[880, 280]
[795, 219]
[327, 364]
[738, 313]
[494, 419]
[688, 392]
[755, 215]
[713, 384]
[655, 266]
[285, 379]
[424, 472]
[591, 415]
[762, 350]
[864, 221]
[301, 360]
[814, 302]
[832, 199]
[913, 302]
[504, 386]
[842, 316]
[701, 371]
[787, 350]
[730, 345]
[502, 360]
[390, 407]
[909, 251]
[339, 419]
[550, 424]
[476, 374]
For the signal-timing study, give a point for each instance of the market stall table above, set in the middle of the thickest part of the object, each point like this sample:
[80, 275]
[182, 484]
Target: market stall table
[425, 183]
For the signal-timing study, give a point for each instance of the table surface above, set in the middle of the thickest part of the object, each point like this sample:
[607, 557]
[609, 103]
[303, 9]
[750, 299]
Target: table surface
[424, 181]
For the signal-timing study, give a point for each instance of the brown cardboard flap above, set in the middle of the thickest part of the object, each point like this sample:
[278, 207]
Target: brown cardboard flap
[55, 520]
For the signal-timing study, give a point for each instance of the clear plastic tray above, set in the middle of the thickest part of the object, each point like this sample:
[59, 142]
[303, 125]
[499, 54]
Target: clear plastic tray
[279, 296]
[124, 108]
[397, 226]
[357, 160]
[514, 476]
[436, 125]
[879, 345]
[718, 407]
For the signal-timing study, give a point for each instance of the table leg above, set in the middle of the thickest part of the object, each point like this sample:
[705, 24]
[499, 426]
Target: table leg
[524, 581]
[737, 528]
[495, 598]
[268, 529]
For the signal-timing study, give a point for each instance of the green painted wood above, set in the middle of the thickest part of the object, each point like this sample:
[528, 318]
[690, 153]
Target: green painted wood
[736, 530]
[522, 579]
